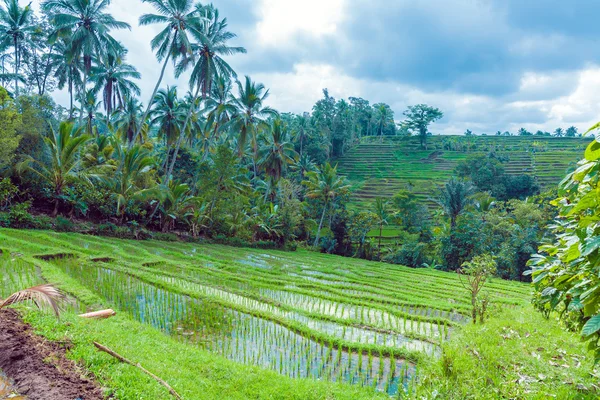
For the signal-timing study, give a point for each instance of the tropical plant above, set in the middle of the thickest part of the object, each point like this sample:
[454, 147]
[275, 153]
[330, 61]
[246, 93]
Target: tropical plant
[167, 115]
[277, 152]
[42, 295]
[250, 116]
[172, 42]
[128, 119]
[382, 214]
[565, 272]
[67, 65]
[125, 183]
[114, 78]
[326, 187]
[205, 59]
[454, 197]
[16, 24]
[64, 164]
[88, 26]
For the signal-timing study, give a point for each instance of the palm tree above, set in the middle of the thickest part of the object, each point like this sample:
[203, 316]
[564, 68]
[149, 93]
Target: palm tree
[113, 77]
[277, 151]
[383, 116]
[559, 132]
[212, 36]
[64, 162]
[88, 26]
[16, 23]
[167, 115]
[326, 186]
[250, 117]
[301, 128]
[124, 181]
[91, 109]
[177, 203]
[381, 211]
[67, 67]
[454, 197]
[127, 120]
[172, 42]
[219, 106]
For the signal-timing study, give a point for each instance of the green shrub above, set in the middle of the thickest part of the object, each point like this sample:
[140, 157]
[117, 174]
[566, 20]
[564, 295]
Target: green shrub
[43, 222]
[165, 237]
[19, 215]
[8, 191]
[411, 254]
[63, 224]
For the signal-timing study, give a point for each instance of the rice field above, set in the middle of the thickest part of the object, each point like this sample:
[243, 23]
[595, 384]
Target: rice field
[301, 314]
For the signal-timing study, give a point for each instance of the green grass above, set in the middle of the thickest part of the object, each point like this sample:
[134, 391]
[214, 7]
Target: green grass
[216, 321]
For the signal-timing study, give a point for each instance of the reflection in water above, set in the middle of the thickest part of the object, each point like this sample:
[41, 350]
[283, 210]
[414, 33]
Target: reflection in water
[246, 338]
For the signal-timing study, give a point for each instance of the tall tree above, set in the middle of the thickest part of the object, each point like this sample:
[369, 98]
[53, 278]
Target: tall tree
[250, 116]
[128, 120]
[167, 115]
[89, 26]
[325, 186]
[381, 211]
[67, 65]
[571, 132]
[218, 106]
[419, 117]
[454, 197]
[384, 118]
[277, 152]
[114, 77]
[211, 35]
[559, 132]
[16, 24]
[172, 42]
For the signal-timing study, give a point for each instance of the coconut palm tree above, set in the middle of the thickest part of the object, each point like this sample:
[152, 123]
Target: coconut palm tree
[277, 151]
[326, 186]
[218, 106]
[454, 197]
[172, 42]
[301, 129]
[16, 24]
[64, 164]
[381, 211]
[67, 66]
[128, 119]
[123, 183]
[167, 115]
[114, 77]
[88, 26]
[211, 35]
[251, 116]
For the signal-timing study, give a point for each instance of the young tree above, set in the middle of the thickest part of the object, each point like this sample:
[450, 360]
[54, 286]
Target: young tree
[418, 119]
[473, 275]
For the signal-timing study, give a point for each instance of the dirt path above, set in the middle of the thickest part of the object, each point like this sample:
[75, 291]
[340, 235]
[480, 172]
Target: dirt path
[39, 368]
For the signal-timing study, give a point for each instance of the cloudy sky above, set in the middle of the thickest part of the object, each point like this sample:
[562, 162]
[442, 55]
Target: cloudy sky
[488, 64]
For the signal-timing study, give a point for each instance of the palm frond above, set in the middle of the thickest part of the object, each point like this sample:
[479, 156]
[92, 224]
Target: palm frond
[42, 295]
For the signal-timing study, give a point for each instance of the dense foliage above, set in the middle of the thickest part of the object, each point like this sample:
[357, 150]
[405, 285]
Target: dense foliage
[566, 272]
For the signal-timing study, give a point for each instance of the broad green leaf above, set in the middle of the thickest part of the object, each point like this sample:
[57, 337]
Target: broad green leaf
[592, 153]
[592, 326]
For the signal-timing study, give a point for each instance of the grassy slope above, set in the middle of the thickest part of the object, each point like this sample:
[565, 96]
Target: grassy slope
[517, 354]
[382, 169]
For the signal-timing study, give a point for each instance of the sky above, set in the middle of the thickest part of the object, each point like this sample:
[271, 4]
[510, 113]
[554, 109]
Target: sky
[489, 65]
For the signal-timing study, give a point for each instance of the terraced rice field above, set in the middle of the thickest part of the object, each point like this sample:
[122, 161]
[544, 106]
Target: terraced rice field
[301, 314]
[382, 169]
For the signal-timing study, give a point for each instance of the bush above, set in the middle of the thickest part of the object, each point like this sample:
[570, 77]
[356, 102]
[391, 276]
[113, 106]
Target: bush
[19, 215]
[107, 229]
[43, 222]
[411, 254]
[8, 191]
[165, 237]
[64, 224]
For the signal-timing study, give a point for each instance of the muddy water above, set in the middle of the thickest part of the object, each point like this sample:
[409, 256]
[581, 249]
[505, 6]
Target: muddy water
[243, 337]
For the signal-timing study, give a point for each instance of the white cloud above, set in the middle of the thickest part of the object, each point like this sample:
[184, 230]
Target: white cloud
[280, 20]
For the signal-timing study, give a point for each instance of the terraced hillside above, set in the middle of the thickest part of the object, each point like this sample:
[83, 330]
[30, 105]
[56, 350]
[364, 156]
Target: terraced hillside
[300, 314]
[382, 169]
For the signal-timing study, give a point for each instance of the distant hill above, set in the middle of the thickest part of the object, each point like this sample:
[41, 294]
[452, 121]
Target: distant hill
[382, 169]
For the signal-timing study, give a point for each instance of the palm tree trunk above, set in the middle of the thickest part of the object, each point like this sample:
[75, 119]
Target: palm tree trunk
[160, 78]
[16, 68]
[83, 85]
[380, 233]
[181, 134]
[70, 98]
[320, 226]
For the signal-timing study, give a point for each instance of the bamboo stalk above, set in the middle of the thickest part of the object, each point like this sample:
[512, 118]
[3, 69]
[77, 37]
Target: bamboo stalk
[123, 359]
